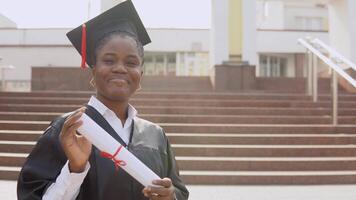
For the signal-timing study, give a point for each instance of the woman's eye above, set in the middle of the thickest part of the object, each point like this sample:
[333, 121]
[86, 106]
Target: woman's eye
[109, 62]
[132, 64]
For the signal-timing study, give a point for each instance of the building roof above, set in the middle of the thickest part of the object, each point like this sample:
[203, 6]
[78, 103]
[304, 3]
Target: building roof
[5, 22]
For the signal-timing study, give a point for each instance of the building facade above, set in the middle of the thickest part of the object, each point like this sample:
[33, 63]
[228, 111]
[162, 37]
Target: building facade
[262, 32]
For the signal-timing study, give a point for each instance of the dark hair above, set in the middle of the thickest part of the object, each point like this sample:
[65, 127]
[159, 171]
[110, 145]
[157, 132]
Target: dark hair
[104, 40]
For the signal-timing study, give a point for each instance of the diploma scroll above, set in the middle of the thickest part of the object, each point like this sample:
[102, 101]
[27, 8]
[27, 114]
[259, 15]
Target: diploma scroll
[106, 143]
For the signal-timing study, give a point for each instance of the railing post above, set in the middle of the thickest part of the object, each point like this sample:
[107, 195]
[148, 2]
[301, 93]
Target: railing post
[309, 63]
[334, 98]
[315, 78]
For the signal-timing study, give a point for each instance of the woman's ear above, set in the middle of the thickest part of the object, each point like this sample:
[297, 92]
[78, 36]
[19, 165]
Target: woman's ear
[93, 69]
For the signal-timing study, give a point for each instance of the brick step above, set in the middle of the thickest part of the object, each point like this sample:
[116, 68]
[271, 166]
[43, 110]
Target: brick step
[227, 150]
[212, 96]
[182, 95]
[207, 128]
[243, 178]
[139, 99]
[257, 128]
[266, 163]
[192, 103]
[59, 109]
[268, 178]
[20, 135]
[175, 94]
[261, 139]
[219, 138]
[203, 119]
[9, 173]
[265, 150]
[234, 163]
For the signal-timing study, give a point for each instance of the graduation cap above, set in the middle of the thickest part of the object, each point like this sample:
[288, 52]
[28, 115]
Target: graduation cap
[122, 17]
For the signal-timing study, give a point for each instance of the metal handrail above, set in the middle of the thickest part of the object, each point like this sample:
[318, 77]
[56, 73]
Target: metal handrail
[329, 62]
[333, 60]
[334, 53]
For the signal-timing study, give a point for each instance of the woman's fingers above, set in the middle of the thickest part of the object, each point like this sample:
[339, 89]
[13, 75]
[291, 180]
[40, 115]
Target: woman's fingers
[165, 182]
[161, 191]
[71, 121]
[74, 116]
[73, 128]
[165, 192]
[76, 147]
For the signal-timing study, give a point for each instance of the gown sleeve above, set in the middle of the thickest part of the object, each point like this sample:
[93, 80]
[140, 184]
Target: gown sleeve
[43, 164]
[181, 191]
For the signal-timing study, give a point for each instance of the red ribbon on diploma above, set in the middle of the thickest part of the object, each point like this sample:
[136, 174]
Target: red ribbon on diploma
[117, 162]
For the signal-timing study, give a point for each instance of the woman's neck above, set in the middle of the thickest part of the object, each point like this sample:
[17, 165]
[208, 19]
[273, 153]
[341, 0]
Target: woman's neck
[120, 108]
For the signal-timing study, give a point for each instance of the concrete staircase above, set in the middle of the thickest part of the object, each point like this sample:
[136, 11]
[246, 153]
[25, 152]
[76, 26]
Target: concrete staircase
[218, 138]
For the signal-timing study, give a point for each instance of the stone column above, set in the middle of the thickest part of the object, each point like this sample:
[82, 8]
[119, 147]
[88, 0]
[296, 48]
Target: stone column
[219, 40]
[107, 4]
[342, 27]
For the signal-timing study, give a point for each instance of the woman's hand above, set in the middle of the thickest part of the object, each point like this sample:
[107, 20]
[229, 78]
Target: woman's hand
[160, 193]
[76, 147]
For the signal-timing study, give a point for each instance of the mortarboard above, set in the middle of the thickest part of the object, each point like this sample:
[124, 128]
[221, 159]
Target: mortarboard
[122, 17]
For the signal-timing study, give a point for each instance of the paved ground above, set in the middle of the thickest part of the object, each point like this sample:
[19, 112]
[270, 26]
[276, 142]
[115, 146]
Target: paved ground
[343, 192]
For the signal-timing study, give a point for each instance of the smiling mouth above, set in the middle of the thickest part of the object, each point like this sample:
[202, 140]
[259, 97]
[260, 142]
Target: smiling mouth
[118, 81]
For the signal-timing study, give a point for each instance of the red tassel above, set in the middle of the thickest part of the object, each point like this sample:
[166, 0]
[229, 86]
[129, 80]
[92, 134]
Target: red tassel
[117, 162]
[84, 46]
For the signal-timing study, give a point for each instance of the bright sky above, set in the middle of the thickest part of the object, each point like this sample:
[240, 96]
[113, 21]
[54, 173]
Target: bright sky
[70, 13]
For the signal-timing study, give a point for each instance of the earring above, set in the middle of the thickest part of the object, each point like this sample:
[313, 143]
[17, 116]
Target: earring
[92, 83]
[139, 88]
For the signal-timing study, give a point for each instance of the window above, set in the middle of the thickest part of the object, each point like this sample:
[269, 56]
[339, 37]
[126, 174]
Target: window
[273, 66]
[171, 65]
[309, 23]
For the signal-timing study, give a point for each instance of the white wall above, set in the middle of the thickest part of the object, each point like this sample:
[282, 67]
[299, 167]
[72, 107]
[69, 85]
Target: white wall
[305, 11]
[178, 40]
[23, 58]
[6, 22]
[284, 41]
[352, 28]
[219, 36]
[106, 4]
[33, 37]
[343, 27]
[24, 48]
[249, 45]
[270, 14]
[281, 14]
[162, 39]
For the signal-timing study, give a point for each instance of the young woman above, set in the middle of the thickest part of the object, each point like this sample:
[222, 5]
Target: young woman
[64, 165]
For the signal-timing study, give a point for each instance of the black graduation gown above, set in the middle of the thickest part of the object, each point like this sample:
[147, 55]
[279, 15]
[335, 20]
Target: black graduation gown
[103, 182]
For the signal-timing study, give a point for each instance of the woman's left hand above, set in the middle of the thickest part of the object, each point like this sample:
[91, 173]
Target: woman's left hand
[166, 192]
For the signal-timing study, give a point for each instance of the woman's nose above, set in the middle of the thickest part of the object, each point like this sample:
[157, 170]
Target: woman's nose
[119, 68]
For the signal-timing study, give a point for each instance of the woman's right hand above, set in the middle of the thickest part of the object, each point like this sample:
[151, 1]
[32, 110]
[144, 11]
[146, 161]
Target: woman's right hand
[76, 147]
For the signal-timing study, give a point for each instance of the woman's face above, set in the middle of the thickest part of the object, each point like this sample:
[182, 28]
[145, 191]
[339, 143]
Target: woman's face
[117, 72]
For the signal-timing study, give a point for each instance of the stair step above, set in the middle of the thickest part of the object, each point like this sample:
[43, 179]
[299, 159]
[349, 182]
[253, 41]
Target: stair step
[223, 119]
[20, 135]
[268, 178]
[193, 103]
[226, 150]
[185, 110]
[218, 138]
[235, 163]
[176, 94]
[207, 128]
[258, 139]
[242, 178]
